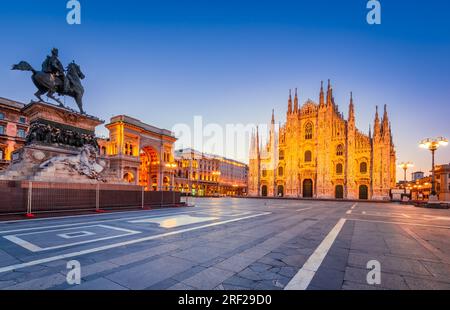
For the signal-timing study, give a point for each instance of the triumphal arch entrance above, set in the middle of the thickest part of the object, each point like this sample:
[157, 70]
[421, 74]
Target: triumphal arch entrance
[140, 154]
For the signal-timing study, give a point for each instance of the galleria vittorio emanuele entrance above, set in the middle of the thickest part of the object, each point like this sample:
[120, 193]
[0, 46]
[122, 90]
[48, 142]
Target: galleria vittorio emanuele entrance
[139, 152]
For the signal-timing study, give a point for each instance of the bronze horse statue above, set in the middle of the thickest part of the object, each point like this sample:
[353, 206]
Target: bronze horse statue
[51, 84]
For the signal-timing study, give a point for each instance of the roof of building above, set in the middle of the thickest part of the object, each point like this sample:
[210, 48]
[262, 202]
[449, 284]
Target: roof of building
[11, 103]
[198, 155]
[134, 121]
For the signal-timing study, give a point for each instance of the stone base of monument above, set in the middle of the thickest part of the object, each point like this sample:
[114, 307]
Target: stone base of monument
[64, 166]
[61, 147]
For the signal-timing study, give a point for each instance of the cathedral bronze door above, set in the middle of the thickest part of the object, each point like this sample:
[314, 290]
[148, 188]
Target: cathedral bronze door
[264, 191]
[280, 191]
[307, 188]
[363, 192]
[339, 192]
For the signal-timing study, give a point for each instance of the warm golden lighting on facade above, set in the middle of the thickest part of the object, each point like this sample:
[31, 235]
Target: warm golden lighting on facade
[202, 174]
[140, 153]
[318, 153]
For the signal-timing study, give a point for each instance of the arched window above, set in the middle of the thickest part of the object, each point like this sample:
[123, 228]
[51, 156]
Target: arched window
[308, 131]
[308, 156]
[2, 116]
[339, 168]
[264, 173]
[128, 177]
[281, 156]
[363, 167]
[280, 171]
[340, 150]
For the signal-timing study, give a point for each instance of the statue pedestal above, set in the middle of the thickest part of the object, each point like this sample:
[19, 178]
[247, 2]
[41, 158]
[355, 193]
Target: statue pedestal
[61, 147]
[60, 117]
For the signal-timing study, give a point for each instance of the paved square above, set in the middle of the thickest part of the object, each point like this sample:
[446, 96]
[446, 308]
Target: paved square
[233, 244]
[61, 238]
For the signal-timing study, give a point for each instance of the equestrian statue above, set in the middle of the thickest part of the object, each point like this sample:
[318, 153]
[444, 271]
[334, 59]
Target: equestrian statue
[54, 79]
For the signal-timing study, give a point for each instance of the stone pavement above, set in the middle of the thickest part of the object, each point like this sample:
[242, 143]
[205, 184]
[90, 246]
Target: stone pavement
[233, 244]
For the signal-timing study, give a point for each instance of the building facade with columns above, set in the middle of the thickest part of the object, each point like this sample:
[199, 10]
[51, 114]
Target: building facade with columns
[318, 153]
[139, 153]
[201, 174]
[13, 129]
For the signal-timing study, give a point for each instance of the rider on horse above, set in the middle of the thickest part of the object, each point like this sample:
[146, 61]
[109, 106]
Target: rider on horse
[53, 66]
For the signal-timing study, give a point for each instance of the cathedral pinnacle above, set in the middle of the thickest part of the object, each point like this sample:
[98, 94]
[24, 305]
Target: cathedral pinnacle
[322, 98]
[290, 103]
[296, 102]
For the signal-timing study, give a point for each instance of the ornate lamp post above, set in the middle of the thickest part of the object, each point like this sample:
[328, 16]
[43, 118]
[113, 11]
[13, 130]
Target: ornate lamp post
[405, 166]
[432, 145]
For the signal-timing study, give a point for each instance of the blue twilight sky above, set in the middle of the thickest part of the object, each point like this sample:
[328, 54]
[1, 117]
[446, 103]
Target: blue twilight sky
[233, 61]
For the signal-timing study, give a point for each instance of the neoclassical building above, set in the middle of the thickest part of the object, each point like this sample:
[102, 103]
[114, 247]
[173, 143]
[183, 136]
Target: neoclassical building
[318, 153]
[139, 153]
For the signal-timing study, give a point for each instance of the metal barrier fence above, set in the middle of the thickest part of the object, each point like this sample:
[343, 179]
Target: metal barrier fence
[34, 197]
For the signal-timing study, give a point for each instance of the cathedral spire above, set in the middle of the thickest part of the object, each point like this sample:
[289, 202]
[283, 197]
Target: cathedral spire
[296, 102]
[273, 117]
[376, 128]
[252, 145]
[329, 94]
[257, 142]
[351, 109]
[322, 97]
[290, 103]
[385, 123]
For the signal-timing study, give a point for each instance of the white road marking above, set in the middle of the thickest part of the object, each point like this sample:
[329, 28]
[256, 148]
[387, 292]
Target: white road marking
[124, 243]
[349, 212]
[172, 221]
[387, 214]
[433, 217]
[304, 209]
[23, 243]
[400, 223]
[34, 248]
[80, 215]
[100, 221]
[76, 234]
[354, 206]
[304, 276]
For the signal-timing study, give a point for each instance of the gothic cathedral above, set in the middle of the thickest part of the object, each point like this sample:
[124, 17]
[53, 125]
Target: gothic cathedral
[319, 154]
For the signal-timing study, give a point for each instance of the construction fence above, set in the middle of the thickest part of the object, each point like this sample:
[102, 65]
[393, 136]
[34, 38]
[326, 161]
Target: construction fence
[26, 197]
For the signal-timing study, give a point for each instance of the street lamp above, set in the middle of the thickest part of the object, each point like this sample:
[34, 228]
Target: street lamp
[432, 145]
[405, 166]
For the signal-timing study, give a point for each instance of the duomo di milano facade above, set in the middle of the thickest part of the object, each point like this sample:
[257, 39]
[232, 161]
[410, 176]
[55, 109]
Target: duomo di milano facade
[319, 154]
